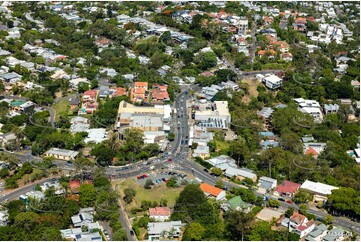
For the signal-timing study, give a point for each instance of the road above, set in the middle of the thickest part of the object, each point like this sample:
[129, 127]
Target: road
[16, 193]
[181, 161]
[252, 49]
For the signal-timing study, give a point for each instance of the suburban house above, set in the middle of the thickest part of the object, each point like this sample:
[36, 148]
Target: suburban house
[61, 154]
[212, 191]
[139, 92]
[300, 225]
[7, 138]
[300, 24]
[319, 190]
[76, 234]
[287, 189]
[74, 103]
[201, 151]
[74, 186]
[84, 217]
[22, 106]
[266, 184]
[10, 78]
[116, 92]
[236, 203]
[266, 114]
[311, 107]
[160, 94]
[335, 234]
[331, 108]
[317, 233]
[159, 213]
[313, 148]
[270, 80]
[103, 91]
[89, 103]
[164, 230]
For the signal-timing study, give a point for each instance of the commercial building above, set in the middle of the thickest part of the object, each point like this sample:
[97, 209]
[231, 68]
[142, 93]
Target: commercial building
[152, 120]
[217, 119]
[318, 189]
[61, 154]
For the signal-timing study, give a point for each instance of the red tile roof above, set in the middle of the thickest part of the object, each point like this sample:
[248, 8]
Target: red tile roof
[141, 84]
[120, 92]
[159, 211]
[160, 95]
[91, 93]
[207, 188]
[311, 151]
[298, 218]
[287, 187]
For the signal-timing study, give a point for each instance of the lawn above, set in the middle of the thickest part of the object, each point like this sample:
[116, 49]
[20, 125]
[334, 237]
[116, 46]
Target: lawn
[154, 194]
[221, 145]
[60, 108]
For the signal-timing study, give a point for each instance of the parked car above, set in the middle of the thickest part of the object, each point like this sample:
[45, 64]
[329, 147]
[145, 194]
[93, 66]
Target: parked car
[289, 201]
[132, 233]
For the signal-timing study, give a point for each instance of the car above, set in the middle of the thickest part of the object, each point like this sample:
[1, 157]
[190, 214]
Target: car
[105, 232]
[289, 201]
[206, 170]
[132, 233]
[281, 199]
[107, 237]
[163, 179]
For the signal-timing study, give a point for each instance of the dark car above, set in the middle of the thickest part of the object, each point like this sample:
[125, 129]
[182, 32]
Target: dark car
[206, 170]
[281, 199]
[132, 233]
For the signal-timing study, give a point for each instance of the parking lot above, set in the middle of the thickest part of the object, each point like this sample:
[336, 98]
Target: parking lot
[159, 176]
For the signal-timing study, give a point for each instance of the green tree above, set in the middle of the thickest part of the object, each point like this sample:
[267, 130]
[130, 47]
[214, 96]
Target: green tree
[87, 195]
[237, 224]
[273, 203]
[148, 184]
[194, 232]
[220, 184]
[129, 194]
[207, 60]
[344, 201]
[171, 136]
[217, 171]
[302, 197]
[4, 172]
[327, 219]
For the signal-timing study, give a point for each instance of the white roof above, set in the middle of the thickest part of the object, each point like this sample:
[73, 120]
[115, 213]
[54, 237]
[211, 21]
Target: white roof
[272, 79]
[318, 187]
